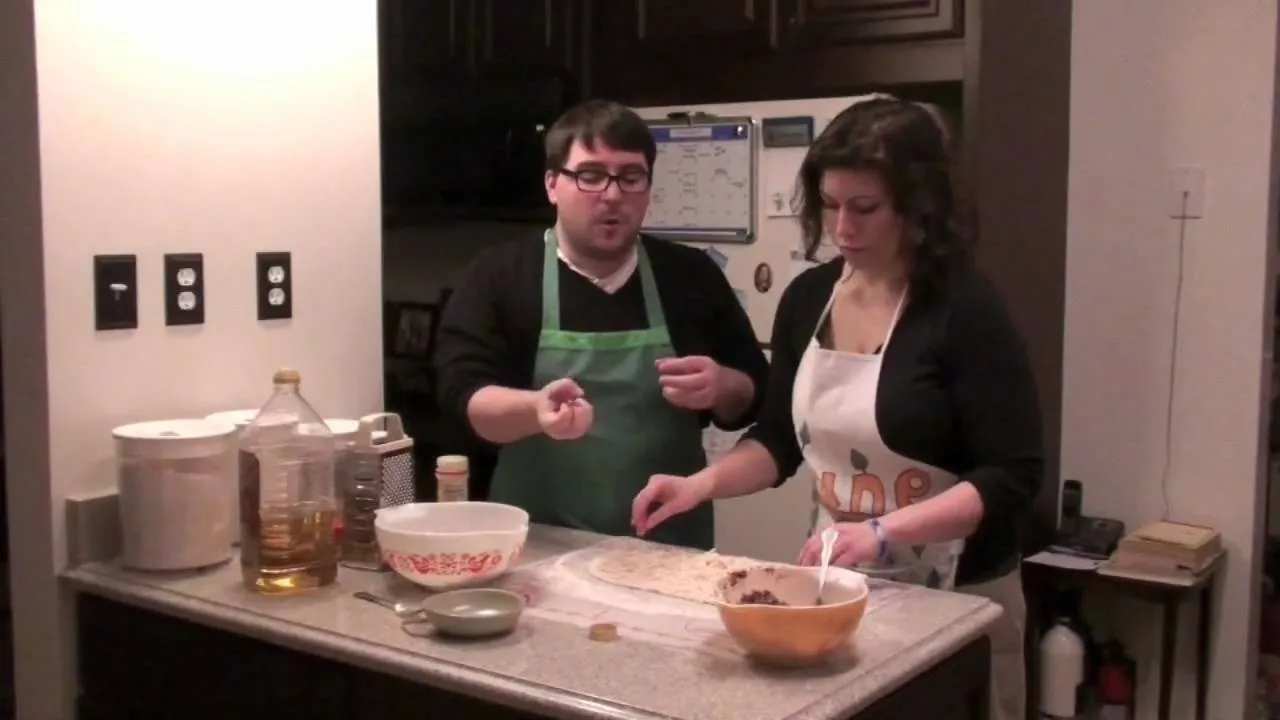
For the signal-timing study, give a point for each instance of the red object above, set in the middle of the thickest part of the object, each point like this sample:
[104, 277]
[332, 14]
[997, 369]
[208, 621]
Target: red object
[1117, 680]
[448, 563]
[1115, 687]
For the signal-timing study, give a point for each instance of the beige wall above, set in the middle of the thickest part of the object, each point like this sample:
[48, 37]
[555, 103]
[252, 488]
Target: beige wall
[224, 128]
[1158, 84]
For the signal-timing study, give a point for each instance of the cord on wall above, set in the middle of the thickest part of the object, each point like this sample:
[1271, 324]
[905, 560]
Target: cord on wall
[1182, 217]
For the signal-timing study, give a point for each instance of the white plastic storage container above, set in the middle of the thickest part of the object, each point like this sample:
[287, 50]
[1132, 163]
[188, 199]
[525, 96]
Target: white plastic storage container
[175, 511]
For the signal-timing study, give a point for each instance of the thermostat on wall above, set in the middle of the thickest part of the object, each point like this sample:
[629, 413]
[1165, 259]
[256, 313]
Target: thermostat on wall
[786, 132]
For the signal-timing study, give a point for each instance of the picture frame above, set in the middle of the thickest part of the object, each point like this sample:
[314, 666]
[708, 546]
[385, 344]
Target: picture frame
[409, 330]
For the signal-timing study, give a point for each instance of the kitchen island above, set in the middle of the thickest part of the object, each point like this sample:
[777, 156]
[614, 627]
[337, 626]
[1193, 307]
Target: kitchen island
[200, 645]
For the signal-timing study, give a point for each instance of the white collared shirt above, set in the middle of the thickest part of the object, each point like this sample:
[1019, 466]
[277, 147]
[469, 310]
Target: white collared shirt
[610, 283]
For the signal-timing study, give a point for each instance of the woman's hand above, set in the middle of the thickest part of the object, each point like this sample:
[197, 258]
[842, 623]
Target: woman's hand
[856, 543]
[667, 495]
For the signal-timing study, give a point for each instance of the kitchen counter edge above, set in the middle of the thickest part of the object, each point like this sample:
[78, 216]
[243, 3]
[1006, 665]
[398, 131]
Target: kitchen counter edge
[510, 691]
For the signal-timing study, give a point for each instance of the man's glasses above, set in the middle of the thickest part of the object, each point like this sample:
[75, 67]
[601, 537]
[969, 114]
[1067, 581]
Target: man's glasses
[597, 181]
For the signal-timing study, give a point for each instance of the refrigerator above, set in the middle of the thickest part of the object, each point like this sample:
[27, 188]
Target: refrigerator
[713, 161]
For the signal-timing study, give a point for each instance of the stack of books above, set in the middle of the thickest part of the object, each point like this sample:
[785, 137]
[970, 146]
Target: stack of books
[1166, 552]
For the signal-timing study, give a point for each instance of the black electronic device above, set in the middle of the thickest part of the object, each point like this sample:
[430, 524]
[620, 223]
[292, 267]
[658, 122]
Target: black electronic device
[786, 132]
[1078, 534]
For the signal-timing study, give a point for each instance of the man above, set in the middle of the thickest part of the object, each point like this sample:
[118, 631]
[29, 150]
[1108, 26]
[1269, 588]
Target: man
[591, 355]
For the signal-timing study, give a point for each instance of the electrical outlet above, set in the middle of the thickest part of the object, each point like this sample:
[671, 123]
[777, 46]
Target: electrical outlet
[275, 286]
[183, 289]
[1186, 193]
[115, 292]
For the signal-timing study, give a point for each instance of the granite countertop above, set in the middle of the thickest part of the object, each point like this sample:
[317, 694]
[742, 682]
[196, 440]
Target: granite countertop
[548, 665]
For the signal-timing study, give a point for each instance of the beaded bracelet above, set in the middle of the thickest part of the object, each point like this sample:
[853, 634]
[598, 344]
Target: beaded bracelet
[882, 539]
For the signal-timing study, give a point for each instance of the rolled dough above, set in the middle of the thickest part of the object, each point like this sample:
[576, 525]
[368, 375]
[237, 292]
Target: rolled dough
[672, 572]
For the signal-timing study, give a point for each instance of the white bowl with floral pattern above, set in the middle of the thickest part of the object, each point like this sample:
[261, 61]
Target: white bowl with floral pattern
[451, 544]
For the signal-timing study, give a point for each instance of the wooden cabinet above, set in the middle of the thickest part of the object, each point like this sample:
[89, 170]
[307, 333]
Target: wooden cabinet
[841, 22]
[417, 37]
[421, 37]
[536, 33]
[658, 52]
[676, 23]
[671, 52]
[138, 664]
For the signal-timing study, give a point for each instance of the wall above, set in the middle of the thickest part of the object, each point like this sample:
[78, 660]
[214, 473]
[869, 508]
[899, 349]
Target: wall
[1017, 99]
[224, 128]
[1157, 84]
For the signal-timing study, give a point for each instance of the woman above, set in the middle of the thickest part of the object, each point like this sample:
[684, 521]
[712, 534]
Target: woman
[899, 378]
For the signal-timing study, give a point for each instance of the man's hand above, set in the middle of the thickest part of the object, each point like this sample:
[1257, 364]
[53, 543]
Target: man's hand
[563, 410]
[693, 383]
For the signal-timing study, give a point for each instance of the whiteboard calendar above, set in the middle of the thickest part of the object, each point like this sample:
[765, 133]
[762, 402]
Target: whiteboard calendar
[704, 180]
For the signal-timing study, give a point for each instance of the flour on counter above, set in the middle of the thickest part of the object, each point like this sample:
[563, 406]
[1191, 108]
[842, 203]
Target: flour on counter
[565, 589]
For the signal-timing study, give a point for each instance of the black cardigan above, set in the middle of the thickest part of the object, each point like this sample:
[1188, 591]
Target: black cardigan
[489, 332]
[956, 391]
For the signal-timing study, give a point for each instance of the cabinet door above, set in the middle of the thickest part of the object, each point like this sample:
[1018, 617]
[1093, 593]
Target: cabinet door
[419, 36]
[535, 33]
[673, 22]
[873, 21]
[668, 51]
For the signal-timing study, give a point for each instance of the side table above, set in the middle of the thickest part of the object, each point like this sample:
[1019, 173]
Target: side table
[1040, 579]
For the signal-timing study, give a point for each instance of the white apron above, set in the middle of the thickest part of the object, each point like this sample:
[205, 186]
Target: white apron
[856, 476]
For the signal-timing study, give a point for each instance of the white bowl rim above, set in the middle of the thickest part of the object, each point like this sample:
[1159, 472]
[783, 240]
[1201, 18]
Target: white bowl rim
[391, 512]
[845, 577]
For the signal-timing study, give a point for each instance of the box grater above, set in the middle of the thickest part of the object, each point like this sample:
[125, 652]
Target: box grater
[384, 476]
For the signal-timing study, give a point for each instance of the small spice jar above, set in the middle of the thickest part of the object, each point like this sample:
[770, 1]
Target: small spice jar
[453, 473]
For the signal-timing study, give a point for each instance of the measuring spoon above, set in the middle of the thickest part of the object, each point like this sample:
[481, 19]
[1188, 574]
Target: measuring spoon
[402, 610]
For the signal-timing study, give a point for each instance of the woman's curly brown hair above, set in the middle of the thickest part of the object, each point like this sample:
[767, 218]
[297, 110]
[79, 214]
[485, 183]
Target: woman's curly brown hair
[908, 146]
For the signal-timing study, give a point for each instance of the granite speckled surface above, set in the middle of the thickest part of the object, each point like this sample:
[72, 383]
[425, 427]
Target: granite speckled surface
[551, 667]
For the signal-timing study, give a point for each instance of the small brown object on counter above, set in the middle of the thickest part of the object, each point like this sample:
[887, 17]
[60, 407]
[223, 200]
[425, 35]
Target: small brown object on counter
[603, 632]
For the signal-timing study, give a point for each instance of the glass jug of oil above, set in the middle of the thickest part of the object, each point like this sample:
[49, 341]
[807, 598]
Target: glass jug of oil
[288, 507]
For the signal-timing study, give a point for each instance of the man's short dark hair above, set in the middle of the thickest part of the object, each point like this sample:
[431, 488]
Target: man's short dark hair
[599, 121]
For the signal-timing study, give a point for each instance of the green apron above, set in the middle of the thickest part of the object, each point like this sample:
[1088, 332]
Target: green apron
[589, 483]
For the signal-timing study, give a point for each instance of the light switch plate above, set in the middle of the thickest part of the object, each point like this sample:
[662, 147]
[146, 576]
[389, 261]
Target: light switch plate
[115, 292]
